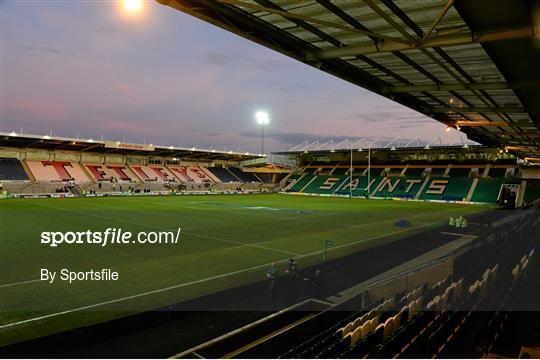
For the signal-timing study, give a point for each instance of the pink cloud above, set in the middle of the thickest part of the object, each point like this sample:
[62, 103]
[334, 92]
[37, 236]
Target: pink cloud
[38, 107]
[122, 89]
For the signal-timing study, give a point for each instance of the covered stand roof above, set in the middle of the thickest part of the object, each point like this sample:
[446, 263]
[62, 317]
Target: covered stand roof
[47, 142]
[473, 65]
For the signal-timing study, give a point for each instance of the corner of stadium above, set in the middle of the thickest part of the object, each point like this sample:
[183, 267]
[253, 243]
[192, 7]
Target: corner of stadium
[351, 249]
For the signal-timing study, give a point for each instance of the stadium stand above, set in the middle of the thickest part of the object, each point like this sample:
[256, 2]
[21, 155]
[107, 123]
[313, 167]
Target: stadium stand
[299, 183]
[454, 187]
[265, 177]
[457, 313]
[243, 176]
[487, 190]
[438, 171]
[196, 174]
[153, 173]
[340, 171]
[106, 172]
[448, 319]
[448, 189]
[459, 172]
[415, 171]
[401, 187]
[12, 170]
[223, 174]
[497, 172]
[324, 184]
[57, 171]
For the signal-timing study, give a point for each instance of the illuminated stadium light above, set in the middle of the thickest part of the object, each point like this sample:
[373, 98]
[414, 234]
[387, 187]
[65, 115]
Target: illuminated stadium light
[90, 140]
[171, 147]
[46, 137]
[132, 6]
[262, 118]
[13, 133]
[193, 148]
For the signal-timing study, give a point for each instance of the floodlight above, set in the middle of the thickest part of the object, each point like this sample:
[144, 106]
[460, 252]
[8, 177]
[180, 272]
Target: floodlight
[262, 117]
[132, 5]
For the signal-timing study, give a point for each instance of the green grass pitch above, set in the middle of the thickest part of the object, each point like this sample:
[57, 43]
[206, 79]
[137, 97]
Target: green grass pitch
[226, 240]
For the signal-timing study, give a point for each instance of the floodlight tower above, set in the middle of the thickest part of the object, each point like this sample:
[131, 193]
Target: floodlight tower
[262, 118]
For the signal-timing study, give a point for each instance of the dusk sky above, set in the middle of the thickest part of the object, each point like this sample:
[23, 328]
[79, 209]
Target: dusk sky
[164, 77]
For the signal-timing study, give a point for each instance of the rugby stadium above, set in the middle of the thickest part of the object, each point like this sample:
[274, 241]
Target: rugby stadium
[351, 249]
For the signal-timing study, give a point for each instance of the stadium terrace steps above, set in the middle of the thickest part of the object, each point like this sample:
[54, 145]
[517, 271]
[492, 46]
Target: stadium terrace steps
[106, 172]
[472, 189]
[223, 174]
[403, 187]
[484, 190]
[487, 190]
[44, 176]
[324, 184]
[243, 176]
[12, 170]
[447, 189]
[414, 171]
[356, 187]
[57, 171]
[193, 174]
[153, 173]
[299, 183]
[264, 177]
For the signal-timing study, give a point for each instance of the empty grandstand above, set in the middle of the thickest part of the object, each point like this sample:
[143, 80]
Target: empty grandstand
[357, 249]
[40, 167]
[425, 176]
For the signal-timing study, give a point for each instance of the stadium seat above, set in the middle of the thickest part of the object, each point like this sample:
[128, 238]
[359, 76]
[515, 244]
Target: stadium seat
[388, 327]
[356, 335]
[244, 176]
[57, 171]
[224, 175]
[12, 170]
[106, 172]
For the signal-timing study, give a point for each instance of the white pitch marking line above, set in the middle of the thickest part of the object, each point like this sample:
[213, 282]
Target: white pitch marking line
[20, 283]
[135, 296]
[241, 244]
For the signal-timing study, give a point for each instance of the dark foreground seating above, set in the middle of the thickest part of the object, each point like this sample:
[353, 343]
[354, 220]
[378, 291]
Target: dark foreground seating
[12, 169]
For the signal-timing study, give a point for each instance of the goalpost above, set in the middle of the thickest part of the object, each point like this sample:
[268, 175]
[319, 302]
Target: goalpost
[367, 188]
